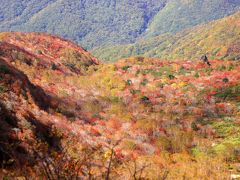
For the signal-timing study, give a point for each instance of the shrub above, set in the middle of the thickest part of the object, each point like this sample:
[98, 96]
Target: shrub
[163, 143]
[182, 71]
[162, 70]
[115, 99]
[129, 82]
[225, 80]
[228, 92]
[39, 51]
[125, 68]
[194, 126]
[133, 91]
[1, 52]
[145, 99]
[229, 148]
[221, 68]
[180, 140]
[225, 129]
[231, 67]
[196, 152]
[170, 76]
[2, 89]
[54, 66]
[66, 112]
[144, 82]
[196, 75]
[4, 69]
[202, 121]
[130, 145]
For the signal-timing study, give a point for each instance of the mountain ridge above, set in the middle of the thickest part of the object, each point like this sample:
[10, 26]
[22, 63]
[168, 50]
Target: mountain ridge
[219, 39]
[182, 14]
[82, 13]
[37, 46]
[110, 22]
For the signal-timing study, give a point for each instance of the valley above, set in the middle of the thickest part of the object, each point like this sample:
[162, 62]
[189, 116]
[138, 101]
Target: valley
[106, 89]
[143, 115]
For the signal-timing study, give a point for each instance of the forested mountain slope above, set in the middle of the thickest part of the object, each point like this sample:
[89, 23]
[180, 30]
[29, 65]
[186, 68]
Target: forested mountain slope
[94, 23]
[88, 22]
[181, 14]
[219, 40]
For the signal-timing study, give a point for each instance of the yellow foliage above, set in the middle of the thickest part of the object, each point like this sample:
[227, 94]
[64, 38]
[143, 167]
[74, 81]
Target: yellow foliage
[146, 124]
[179, 85]
[120, 111]
[130, 145]
[163, 143]
[3, 35]
[107, 154]
[165, 80]
[176, 67]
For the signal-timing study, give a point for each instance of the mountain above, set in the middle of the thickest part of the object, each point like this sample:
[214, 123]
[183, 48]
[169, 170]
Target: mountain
[63, 114]
[219, 39]
[178, 15]
[88, 22]
[30, 103]
[94, 23]
[46, 51]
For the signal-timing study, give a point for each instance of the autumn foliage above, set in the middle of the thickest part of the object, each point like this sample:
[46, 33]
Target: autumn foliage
[65, 115]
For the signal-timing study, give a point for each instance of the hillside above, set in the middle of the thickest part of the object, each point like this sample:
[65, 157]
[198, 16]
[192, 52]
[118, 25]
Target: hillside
[30, 106]
[95, 23]
[88, 22]
[218, 39]
[178, 15]
[137, 118]
[46, 51]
